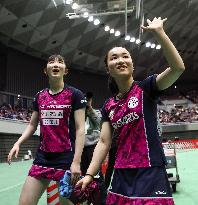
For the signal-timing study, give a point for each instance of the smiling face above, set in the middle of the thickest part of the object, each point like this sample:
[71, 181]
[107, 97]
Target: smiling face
[119, 62]
[56, 67]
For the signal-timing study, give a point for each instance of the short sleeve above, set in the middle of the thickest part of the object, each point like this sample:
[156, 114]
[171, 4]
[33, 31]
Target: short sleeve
[150, 87]
[78, 100]
[35, 103]
[105, 117]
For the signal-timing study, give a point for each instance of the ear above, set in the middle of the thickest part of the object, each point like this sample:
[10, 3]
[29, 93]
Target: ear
[66, 71]
[45, 71]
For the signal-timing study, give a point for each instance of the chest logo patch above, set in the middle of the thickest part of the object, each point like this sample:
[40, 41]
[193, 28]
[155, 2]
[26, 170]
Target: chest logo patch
[133, 102]
[111, 114]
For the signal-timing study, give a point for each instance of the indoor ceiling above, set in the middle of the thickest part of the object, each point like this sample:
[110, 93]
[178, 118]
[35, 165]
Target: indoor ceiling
[42, 27]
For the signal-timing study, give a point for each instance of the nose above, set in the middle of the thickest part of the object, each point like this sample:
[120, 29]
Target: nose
[120, 60]
[55, 65]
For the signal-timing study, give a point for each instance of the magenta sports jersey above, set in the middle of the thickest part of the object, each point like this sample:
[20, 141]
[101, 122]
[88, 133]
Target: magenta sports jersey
[134, 119]
[56, 117]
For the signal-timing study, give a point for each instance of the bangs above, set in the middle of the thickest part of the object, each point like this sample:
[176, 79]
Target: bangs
[55, 56]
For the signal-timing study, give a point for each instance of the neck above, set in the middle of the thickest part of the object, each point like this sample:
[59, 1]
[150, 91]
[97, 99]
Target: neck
[56, 86]
[124, 85]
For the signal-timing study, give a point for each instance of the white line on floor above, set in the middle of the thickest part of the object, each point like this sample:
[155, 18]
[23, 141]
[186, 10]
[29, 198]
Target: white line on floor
[11, 187]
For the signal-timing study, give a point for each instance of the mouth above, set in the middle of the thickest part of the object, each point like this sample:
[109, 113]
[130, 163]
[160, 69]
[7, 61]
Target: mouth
[121, 67]
[55, 70]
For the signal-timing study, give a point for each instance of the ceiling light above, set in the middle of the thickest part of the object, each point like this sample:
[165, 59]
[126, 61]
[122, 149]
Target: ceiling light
[106, 28]
[152, 45]
[137, 41]
[90, 19]
[132, 39]
[148, 44]
[127, 38]
[74, 6]
[112, 30]
[158, 46]
[86, 15]
[96, 21]
[68, 1]
[117, 33]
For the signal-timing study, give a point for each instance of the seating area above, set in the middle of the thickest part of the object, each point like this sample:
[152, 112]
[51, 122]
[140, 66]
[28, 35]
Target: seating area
[168, 113]
[178, 114]
[15, 112]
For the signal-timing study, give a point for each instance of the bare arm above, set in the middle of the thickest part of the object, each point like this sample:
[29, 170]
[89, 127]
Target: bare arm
[100, 152]
[79, 116]
[29, 131]
[176, 65]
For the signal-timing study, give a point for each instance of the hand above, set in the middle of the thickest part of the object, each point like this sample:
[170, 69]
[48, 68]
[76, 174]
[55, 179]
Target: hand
[75, 172]
[156, 24]
[84, 182]
[14, 150]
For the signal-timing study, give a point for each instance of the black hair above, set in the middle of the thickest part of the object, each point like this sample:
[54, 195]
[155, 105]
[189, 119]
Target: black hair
[112, 85]
[54, 56]
[89, 95]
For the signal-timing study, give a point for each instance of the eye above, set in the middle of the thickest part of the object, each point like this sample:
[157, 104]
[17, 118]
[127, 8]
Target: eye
[113, 57]
[125, 56]
[60, 61]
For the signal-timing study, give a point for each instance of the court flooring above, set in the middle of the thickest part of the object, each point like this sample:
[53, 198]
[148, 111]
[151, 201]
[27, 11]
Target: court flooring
[12, 177]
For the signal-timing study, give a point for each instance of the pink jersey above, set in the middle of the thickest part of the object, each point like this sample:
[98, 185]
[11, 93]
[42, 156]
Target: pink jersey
[56, 116]
[134, 119]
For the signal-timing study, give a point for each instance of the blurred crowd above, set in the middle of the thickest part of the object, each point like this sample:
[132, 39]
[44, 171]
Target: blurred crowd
[15, 113]
[179, 114]
[175, 115]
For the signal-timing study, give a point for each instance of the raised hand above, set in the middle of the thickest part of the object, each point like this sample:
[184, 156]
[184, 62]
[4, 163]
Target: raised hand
[154, 25]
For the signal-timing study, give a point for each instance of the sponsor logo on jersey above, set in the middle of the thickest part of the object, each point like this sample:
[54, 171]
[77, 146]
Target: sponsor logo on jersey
[50, 121]
[133, 102]
[55, 106]
[83, 101]
[125, 120]
[111, 114]
[51, 114]
[160, 192]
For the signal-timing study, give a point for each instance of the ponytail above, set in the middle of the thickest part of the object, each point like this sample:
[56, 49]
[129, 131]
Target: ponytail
[112, 85]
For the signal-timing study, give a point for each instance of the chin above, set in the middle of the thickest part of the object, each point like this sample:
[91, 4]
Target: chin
[55, 77]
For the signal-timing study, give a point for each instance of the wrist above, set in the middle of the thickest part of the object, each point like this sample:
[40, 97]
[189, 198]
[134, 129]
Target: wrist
[90, 175]
[17, 143]
[159, 31]
[76, 162]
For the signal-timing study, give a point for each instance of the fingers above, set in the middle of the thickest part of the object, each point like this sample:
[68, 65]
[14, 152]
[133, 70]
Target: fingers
[79, 182]
[83, 186]
[148, 21]
[165, 19]
[74, 178]
[144, 27]
[16, 154]
[10, 157]
[155, 18]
